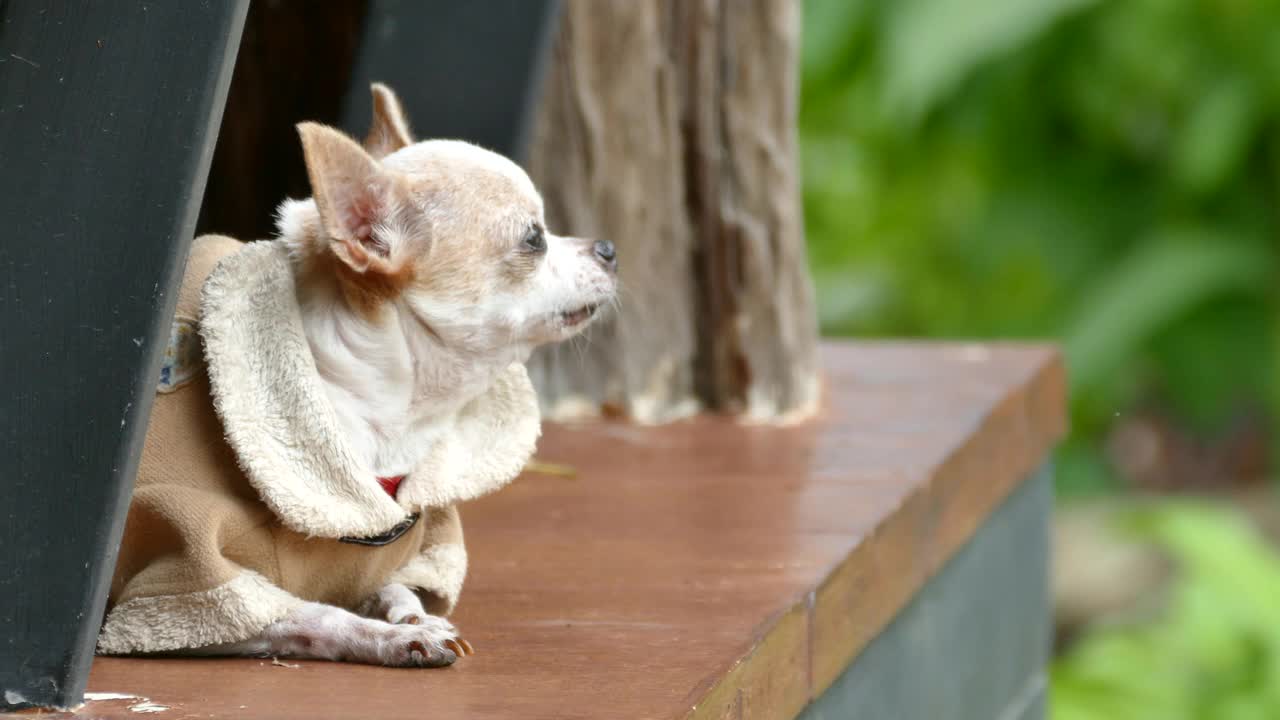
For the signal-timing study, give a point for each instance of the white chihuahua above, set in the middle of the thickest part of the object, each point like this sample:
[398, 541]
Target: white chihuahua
[402, 301]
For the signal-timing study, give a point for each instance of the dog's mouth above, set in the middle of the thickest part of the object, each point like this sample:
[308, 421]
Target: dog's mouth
[574, 318]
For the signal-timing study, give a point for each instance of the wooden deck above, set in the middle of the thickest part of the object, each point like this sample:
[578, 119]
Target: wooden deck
[704, 569]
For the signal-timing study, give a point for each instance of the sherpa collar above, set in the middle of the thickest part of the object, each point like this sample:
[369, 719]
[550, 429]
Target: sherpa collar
[286, 435]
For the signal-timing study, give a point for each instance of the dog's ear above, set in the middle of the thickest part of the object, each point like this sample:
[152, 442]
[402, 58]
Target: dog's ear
[389, 130]
[360, 201]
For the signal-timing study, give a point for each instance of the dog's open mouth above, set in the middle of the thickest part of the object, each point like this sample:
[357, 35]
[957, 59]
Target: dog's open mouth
[575, 318]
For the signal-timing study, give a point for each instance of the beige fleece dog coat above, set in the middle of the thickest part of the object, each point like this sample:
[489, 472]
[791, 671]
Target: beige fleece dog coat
[247, 501]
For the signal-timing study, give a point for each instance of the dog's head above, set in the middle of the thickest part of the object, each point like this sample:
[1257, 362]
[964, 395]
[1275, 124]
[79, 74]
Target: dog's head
[451, 231]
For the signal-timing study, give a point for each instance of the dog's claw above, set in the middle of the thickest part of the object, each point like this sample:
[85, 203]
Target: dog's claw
[466, 646]
[412, 620]
[456, 647]
[423, 656]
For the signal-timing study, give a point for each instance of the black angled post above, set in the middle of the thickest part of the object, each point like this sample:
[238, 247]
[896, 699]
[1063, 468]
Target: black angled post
[108, 116]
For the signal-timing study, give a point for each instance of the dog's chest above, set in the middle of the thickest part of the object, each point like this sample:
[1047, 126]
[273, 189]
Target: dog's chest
[393, 443]
[391, 427]
[404, 446]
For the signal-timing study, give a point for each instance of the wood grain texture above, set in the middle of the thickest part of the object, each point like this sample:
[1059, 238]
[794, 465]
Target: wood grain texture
[668, 127]
[704, 569]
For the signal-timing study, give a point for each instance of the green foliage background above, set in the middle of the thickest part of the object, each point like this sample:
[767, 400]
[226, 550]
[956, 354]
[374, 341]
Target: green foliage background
[1212, 654]
[1104, 172]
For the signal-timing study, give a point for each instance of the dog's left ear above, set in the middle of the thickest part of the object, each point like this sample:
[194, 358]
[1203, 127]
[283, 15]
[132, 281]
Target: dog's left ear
[389, 130]
[360, 201]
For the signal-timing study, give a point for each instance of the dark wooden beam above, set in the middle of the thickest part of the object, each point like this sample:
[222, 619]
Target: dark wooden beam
[108, 114]
[463, 69]
[294, 64]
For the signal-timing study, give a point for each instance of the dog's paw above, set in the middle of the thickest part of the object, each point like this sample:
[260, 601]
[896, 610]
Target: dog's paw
[399, 605]
[412, 614]
[440, 627]
[395, 604]
[430, 642]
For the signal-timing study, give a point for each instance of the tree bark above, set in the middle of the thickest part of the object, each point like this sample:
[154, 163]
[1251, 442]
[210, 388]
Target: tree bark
[669, 127]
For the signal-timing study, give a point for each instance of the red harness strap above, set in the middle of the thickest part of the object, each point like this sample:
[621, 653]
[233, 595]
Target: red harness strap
[391, 484]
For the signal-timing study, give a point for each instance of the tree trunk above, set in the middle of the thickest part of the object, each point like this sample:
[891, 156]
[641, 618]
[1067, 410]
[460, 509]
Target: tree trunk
[668, 127]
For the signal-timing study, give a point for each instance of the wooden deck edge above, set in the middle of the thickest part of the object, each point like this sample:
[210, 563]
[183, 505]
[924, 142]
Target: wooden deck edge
[973, 642]
[804, 649]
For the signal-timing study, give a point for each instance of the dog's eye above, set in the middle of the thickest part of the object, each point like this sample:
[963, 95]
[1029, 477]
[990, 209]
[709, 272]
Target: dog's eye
[535, 240]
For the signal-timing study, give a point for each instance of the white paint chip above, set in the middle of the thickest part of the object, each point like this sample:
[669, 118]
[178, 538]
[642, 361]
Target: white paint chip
[142, 704]
[92, 696]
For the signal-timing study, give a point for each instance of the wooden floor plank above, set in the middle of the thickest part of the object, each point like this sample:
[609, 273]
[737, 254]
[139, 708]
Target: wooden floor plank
[704, 569]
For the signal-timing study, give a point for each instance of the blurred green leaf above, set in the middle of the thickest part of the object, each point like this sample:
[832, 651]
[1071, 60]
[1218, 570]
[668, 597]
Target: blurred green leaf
[829, 27]
[1152, 287]
[1216, 138]
[1214, 654]
[932, 45]
[1190, 355]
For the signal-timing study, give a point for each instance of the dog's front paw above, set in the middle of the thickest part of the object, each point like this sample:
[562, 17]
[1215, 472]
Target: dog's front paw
[395, 604]
[438, 627]
[410, 615]
[429, 642]
[399, 605]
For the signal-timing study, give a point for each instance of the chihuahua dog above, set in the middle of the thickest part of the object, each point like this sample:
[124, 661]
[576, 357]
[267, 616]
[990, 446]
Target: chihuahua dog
[410, 289]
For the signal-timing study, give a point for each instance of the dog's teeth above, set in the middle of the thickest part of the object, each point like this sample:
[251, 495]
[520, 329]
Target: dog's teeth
[578, 316]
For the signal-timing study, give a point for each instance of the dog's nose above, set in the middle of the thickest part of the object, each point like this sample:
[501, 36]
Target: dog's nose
[604, 251]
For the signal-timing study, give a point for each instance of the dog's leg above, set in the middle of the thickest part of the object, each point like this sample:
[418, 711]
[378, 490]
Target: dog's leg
[324, 632]
[399, 605]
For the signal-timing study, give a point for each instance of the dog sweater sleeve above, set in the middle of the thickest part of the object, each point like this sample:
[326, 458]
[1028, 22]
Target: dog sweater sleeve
[439, 568]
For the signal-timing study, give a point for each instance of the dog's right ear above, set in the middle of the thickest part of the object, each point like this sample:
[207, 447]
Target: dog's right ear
[389, 130]
[359, 200]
